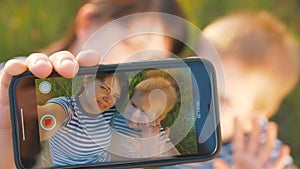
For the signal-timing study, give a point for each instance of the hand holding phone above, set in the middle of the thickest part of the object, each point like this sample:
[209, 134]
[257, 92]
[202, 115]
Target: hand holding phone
[12, 67]
[41, 66]
[198, 100]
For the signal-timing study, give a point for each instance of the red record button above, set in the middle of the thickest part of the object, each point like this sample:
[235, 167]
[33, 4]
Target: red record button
[48, 122]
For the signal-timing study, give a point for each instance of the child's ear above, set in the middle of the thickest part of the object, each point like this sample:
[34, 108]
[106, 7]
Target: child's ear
[84, 24]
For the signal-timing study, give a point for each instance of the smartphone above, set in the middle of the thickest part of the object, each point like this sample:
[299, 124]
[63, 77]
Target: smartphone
[193, 119]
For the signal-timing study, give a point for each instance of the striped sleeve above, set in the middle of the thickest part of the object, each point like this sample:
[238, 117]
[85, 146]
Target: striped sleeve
[66, 104]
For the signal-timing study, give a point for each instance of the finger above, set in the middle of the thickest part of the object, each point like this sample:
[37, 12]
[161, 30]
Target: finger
[136, 142]
[12, 67]
[152, 124]
[238, 137]
[220, 164]
[132, 124]
[144, 119]
[269, 145]
[88, 58]
[39, 64]
[65, 64]
[165, 140]
[254, 137]
[167, 130]
[281, 160]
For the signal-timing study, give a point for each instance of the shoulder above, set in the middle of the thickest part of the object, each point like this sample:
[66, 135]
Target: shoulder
[61, 100]
[119, 121]
[109, 114]
[67, 103]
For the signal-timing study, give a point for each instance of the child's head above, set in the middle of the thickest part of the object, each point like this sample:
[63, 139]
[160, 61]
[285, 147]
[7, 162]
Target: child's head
[153, 97]
[261, 65]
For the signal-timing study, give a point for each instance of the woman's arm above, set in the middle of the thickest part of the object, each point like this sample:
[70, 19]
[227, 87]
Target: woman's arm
[54, 110]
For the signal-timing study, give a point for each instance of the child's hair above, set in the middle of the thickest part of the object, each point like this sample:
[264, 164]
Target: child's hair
[109, 10]
[259, 42]
[145, 87]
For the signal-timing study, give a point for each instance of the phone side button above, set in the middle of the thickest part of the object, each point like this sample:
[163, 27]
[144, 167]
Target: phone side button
[23, 126]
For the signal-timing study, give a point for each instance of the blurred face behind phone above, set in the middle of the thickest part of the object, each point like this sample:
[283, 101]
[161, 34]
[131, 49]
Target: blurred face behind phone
[123, 50]
[137, 46]
[241, 95]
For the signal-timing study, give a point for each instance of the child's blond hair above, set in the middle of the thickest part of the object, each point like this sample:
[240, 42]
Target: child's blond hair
[259, 42]
[146, 86]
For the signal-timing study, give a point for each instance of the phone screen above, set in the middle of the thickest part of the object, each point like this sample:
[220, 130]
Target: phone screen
[120, 115]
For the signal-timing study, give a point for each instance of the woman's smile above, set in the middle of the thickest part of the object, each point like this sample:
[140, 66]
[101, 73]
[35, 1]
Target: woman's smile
[101, 105]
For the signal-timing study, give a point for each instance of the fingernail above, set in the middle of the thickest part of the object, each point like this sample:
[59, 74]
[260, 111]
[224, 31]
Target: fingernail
[69, 65]
[262, 120]
[88, 57]
[41, 62]
[66, 62]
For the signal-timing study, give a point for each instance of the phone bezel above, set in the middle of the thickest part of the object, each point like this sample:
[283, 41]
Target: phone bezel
[165, 63]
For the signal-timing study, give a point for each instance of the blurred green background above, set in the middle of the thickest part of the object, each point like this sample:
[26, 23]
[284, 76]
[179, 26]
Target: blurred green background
[28, 25]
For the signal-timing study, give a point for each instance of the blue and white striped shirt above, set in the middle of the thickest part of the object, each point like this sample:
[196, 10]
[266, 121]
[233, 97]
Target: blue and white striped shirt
[83, 138]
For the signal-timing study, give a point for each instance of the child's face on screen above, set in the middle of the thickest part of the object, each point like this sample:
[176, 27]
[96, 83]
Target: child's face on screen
[143, 111]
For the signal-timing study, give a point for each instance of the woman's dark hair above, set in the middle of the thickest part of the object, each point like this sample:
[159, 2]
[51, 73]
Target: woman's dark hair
[113, 9]
[122, 80]
[124, 85]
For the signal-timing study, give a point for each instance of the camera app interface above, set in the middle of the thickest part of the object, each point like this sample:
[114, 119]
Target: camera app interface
[116, 116]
